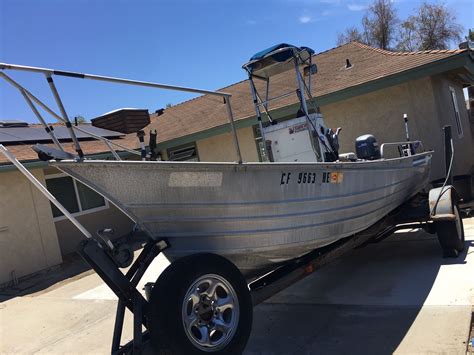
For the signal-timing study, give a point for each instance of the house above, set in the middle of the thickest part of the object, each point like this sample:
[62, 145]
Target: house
[33, 233]
[359, 88]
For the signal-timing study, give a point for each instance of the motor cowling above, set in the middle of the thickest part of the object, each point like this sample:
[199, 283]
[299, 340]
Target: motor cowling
[366, 147]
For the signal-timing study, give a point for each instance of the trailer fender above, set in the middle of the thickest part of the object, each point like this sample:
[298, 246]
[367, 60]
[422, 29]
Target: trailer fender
[442, 201]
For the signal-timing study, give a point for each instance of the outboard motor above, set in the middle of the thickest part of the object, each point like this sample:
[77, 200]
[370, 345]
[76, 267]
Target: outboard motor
[366, 147]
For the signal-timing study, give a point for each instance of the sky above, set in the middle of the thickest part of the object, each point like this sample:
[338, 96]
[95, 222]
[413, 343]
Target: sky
[201, 43]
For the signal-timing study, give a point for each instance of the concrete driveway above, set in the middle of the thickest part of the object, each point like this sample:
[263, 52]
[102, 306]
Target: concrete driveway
[396, 296]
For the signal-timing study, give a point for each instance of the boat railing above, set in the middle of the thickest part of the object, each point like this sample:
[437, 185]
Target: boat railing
[411, 145]
[63, 117]
[32, 99]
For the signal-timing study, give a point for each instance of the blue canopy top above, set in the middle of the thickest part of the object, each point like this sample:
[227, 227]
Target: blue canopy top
[283, 55]
[276, 59]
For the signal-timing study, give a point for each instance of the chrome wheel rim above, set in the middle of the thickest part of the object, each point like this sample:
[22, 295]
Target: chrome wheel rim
[210, 313]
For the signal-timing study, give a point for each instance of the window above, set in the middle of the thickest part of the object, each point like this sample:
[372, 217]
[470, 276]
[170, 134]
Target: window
[456, 111]
[185, 152]
[74, 196]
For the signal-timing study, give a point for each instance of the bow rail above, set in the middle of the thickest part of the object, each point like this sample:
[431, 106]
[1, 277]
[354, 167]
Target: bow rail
[64, 118]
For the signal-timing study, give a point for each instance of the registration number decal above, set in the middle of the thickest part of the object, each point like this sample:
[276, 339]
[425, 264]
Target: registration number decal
[311, 178]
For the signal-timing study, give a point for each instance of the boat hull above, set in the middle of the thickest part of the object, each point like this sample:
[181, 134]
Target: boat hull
[255, 214]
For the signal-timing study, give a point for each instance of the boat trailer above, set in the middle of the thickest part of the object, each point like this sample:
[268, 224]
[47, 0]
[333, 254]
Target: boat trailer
[437, 211]
[412, 215]
[98, 256]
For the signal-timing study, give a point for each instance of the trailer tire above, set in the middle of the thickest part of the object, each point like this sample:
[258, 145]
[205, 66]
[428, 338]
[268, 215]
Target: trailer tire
[451, 235]
[185, 316]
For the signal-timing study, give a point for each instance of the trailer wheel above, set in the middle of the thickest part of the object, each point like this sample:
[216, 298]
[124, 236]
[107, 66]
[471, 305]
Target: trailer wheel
[200, 304]
[451, 235]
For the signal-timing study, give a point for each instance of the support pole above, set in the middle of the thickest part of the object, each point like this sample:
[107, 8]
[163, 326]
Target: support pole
[49, 130]
[34, 99]
[138, 305]
[259, 116]
[64, 114]
[49, 72]
[134, 275]
[31, 99]
[309, 75]
[31, 96]
[44, 191]
[114, 153]
[141, 139]
[234, 131]
[264, 104]
[267, 93]
[301, 89]
[118, 326]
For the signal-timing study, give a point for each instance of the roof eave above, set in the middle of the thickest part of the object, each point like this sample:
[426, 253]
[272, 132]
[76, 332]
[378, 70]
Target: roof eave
[460, 60]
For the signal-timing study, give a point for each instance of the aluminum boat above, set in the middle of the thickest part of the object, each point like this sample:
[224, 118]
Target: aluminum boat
[255, 214]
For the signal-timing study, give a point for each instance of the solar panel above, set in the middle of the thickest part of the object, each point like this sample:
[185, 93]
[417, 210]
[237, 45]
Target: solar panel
[13, 123]
[38, 134]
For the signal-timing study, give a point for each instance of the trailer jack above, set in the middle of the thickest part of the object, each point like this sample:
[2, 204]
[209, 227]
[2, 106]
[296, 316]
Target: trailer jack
[125, 287]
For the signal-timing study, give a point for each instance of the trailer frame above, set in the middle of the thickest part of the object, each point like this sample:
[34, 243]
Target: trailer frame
[412, 214]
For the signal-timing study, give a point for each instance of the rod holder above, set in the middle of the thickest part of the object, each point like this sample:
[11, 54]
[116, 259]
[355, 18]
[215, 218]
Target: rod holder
[405, 118]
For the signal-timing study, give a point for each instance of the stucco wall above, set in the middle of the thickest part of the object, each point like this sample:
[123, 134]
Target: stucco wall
[221, 147]
[381, 113]
[463, 146]
[28, 240]
[69, 236]
[427, 102]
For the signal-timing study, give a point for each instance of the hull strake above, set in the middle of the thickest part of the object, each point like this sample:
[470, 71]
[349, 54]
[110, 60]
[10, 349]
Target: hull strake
[254, 214]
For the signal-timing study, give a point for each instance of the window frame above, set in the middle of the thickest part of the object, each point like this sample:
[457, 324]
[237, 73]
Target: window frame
[184, 147]
[457, 114]
[81, 212]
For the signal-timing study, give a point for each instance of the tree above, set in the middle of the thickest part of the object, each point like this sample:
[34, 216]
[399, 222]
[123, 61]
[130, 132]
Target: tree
[436, 27]
[349, 35]
[366, 31]
[378, 26]
[433, 27]
[80, 119]
[380, 23]
[407, 37]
